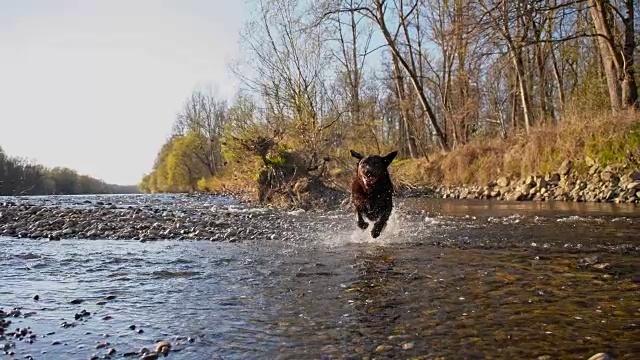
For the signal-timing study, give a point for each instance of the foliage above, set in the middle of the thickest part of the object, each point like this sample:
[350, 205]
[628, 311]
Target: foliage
[508, 89]
[178, 167]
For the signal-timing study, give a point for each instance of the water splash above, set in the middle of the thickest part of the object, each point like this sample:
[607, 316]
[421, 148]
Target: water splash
[392, 233]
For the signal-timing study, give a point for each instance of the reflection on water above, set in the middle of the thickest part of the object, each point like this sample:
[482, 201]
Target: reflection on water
[452, 279]
[506, 208]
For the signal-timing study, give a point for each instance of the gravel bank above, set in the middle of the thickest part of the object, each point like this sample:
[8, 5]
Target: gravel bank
[176, 218]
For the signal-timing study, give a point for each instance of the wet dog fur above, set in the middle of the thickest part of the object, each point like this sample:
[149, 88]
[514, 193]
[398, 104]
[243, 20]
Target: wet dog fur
[372, 191]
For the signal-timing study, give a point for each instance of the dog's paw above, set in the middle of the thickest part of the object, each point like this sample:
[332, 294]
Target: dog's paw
[377, 230]
[363, 225]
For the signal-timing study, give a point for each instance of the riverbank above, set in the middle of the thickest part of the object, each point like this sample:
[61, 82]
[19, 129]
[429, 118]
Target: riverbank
[583, 160]
[609, 184]
[178, 217]
[606, 184]
[579, 160]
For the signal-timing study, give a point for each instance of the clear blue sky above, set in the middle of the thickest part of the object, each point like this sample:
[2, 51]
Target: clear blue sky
[94, 85]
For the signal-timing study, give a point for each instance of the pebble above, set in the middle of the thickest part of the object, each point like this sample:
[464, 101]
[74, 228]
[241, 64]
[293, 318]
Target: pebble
[601, 356]
[407, 346]
[383, 348]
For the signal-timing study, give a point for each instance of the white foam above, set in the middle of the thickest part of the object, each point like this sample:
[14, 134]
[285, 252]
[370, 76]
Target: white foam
[390, 234]
[239, 209]
[576, 218]
[431, 221]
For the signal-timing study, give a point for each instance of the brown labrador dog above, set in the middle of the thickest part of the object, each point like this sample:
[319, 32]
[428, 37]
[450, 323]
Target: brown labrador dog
[372, 191]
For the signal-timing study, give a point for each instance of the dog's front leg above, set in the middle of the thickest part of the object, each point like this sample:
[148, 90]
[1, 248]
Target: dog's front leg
[361, 223]
[379, 225]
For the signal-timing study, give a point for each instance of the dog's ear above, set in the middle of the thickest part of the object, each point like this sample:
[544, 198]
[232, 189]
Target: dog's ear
[389, 158]
[356, 155]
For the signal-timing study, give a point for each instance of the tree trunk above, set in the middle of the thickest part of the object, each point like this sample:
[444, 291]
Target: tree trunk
[629, 85]
[524, 93]
[406, 135]
[559, 81]
[412, 75]
[617, 62]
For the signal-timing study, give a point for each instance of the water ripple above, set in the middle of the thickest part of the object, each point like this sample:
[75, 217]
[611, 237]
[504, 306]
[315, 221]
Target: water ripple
[448, 278]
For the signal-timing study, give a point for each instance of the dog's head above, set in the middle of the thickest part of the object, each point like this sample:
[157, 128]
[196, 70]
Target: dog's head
[372, 168]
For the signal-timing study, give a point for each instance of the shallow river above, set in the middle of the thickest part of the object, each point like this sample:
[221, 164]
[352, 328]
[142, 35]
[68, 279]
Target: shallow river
[448, 279]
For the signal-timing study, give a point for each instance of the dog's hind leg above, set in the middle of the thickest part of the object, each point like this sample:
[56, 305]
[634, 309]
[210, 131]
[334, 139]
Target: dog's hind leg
[361, 223]
[379, 225]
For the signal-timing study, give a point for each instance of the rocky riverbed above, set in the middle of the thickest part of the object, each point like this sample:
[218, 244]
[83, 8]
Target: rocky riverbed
[600, 184]
[83, 275]
[203, 217]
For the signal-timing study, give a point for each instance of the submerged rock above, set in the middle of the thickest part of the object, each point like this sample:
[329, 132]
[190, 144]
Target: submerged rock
[601, 356]
[163, 347]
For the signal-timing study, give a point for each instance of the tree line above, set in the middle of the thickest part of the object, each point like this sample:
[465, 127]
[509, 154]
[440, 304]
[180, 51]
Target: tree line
[419, 76]
[19, 176]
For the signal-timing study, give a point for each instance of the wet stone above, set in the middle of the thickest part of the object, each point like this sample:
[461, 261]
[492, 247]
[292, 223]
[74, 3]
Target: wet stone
[600, 356]
[150, 356]
[163, 347]
[383, 348]
[408, 346]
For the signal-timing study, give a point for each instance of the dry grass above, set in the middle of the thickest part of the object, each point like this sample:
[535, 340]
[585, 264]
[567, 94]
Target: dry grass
[606, 139]
[230, 182]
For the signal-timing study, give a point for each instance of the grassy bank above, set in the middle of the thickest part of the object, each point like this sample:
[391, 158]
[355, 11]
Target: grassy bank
[594, 143]
[609, 141]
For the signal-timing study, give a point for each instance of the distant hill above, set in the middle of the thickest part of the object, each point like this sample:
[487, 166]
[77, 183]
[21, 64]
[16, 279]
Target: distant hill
[124, 189]
[19, 176]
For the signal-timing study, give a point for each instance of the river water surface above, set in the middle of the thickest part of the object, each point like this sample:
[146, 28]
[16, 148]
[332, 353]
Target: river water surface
[448, 279]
